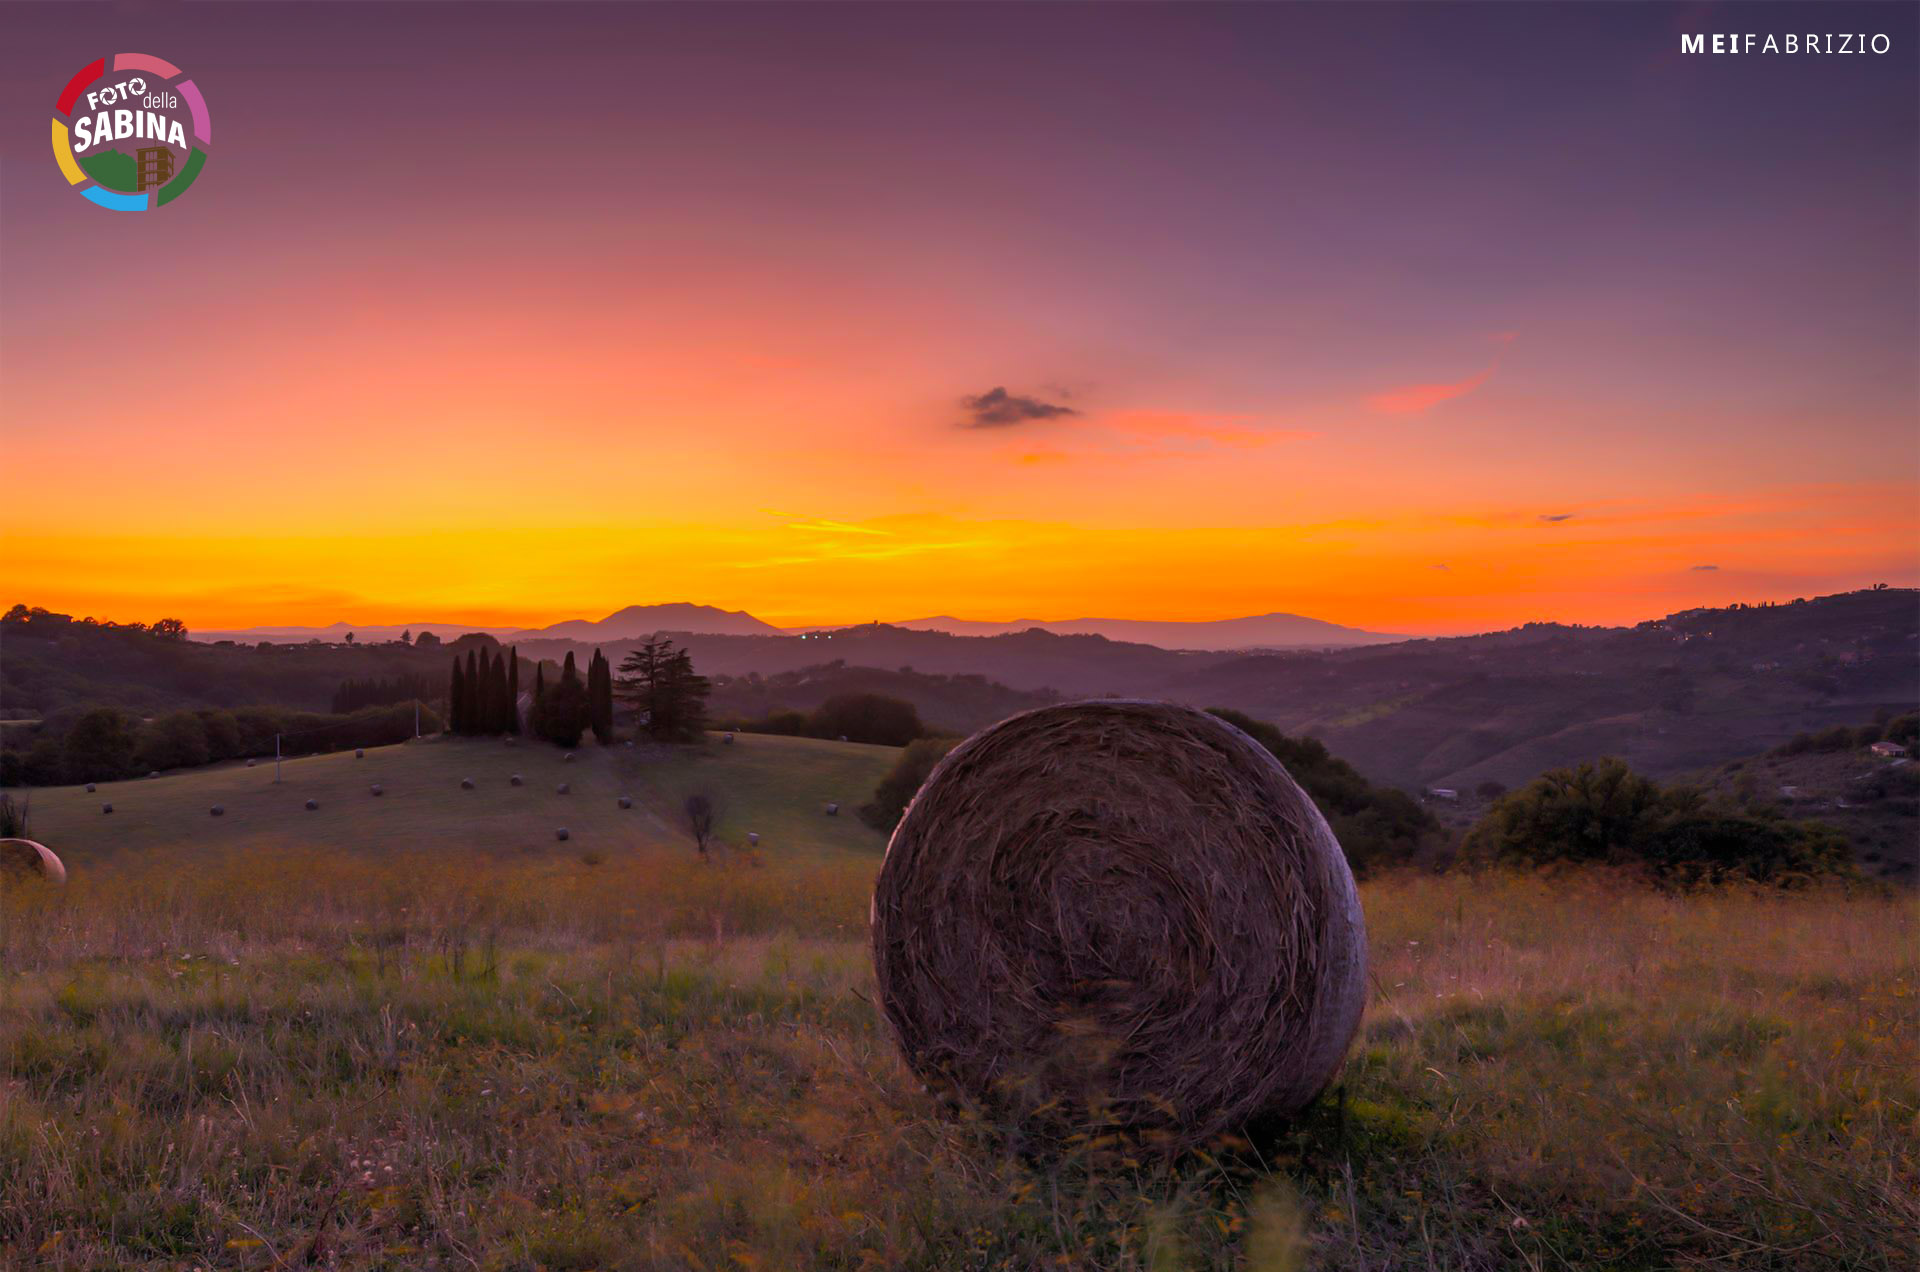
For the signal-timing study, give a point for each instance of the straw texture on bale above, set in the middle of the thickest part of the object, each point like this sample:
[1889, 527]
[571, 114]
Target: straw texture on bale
[1119, 915]
[30, 858]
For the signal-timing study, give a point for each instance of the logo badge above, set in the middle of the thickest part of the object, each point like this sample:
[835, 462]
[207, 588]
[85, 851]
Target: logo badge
[134, 137]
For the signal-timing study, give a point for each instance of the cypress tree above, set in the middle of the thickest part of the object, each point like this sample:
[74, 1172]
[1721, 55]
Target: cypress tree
[475, 697]
[502, 704]
[537, 711]
[484, 724]
[600, 698]
[513, 690]
[456, 700]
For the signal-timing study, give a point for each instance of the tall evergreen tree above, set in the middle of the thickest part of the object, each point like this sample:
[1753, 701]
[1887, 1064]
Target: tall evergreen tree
[476, 697]
[513, 690]
[489, 701]
[600, 698]
[669, 698]
[537, 710]
[565, 717]
[457, 700]
[502, 696]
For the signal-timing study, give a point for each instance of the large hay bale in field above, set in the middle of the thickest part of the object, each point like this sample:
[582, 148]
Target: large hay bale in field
[1119, 915]
[26, 858]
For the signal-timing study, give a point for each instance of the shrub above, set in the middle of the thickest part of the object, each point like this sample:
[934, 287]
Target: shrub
[866, 717]
[174, 741]
[897, 788]
[99, 748]
[1376, 825]
[1603, 812]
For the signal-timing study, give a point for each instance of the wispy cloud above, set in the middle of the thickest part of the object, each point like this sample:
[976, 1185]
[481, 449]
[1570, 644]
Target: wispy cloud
[1706, 567]
[1412, 399]
[825, 526]
[997, 408]
[1557, 517]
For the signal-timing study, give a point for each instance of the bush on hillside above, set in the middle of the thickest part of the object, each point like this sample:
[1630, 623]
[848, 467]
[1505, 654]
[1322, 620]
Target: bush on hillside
[106, 745]
[866, 717]
[1376, 825]
[908, 774]
[1602, 812]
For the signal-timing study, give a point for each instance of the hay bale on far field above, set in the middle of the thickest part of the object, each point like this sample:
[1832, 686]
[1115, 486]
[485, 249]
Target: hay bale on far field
[359, 754]
[217, 811]
[516, 780]
[89, 788]
[27, 858]
[466, 783]
[313, 805]
[833, 810]
[376, 790]
[1119, 914]
[626, 801]
[561, 834]
[106, 808]
[565, 789]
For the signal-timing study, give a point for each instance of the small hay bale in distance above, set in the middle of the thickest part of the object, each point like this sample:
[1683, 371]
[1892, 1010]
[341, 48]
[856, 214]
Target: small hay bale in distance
[313, 805]
[359, 754]
[1119, 916]
[89, 788]
[564, 789]
[626, 801]
[516, 780]
[753, 839]
[376, 790]
[30, 859]
[249, 763]
[153, 774]
[217, 810]
[567, 758]
[727, 738]
[466, 783]
[561, 834]
[106, 808]
[833, 810]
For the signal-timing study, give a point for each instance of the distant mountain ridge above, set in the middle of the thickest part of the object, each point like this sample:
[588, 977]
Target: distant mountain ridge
[644, 620]
[1259, 631]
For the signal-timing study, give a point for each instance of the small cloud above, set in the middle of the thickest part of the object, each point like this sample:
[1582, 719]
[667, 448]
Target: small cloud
[824, 526]
[1440, 566]
[1706, 567]
[997, 408]
[1557, 517]
[1414, 398]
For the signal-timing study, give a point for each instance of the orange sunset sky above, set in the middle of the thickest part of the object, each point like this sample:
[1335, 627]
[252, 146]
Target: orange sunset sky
[834, 314]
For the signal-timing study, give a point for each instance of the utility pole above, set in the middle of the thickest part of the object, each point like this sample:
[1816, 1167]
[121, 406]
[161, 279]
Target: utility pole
[276, 757]
[416, 718]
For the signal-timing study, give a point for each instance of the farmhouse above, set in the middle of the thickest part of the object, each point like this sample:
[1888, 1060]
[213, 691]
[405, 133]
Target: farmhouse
[1888, 750]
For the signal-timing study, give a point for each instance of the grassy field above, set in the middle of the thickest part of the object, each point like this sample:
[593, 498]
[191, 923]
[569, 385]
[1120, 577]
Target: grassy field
[416, 1031]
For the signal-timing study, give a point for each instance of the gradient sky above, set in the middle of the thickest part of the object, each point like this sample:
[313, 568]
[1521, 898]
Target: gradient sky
[1424, 319]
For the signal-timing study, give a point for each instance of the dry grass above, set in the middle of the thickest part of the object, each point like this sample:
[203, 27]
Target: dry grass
[506, 1063]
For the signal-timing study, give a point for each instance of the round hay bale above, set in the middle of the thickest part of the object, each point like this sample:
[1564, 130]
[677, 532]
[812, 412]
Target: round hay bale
[833, 810]
[249, 763]
[565, 789]
[217, 811]
[466, 783]
[1119, 914]
[626, 802]
[27, 858]
[376, 790]
[727, 738]
[513, 741]
[516, 780]
[561, 834]
[359, 754]
[753, 839]
[313, 805]
[154, 774]
[106, 808]
[89, 788]
[567, 758]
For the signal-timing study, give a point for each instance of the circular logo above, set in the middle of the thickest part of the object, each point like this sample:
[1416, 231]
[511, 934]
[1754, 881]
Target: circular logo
[134, 137]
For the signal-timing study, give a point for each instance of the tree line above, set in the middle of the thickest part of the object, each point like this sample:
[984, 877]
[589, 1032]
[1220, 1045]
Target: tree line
[664, 694]
[484, 694]
[377, 692]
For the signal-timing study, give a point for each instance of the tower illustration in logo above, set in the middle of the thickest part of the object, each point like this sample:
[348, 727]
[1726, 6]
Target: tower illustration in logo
[143, 105]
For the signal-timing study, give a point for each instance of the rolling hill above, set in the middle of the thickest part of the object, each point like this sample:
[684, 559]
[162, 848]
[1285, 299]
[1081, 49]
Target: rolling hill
[1262, 631]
